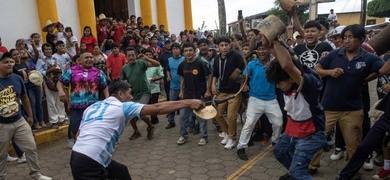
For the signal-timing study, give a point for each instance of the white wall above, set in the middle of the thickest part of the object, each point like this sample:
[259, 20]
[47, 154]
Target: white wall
[20, 21]
[175, 14]
[68, 15]
[154, 14]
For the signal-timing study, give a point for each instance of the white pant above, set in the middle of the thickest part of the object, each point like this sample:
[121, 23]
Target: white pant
[55, 107]
[256, 108]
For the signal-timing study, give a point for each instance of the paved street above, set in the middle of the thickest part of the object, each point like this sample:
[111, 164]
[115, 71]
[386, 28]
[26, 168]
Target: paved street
[162, 158]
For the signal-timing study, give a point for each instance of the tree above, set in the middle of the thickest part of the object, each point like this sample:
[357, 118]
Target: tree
[222, 16]
[301, 11]
[379, 8]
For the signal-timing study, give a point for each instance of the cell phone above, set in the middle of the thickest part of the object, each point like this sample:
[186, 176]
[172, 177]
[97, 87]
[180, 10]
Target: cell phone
[240, 14]
[27, 41]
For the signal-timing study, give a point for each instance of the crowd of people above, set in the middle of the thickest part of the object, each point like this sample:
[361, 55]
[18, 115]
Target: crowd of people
[301, 107]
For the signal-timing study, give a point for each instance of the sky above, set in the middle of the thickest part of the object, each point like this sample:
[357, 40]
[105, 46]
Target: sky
[207, 10]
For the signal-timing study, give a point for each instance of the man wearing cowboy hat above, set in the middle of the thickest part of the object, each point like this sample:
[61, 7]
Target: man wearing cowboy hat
[13, 125]
[50, 36]
[103, 29]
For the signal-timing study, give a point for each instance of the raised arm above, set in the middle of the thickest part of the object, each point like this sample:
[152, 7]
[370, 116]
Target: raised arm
[284, 58]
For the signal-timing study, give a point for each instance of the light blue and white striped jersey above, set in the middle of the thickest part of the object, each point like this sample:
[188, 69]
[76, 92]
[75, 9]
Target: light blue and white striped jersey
[102, 124]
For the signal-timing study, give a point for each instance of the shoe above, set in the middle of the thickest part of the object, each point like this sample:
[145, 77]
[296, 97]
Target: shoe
[378, 160]
[71, 143]
[230, 144]
[135, 135]
[170, 125]
[37, 126]
[368, 164]
[218, 128]
[42, 177]
[313, 171]
[202, 142]
[222, 134]
[265, 140]
[22, 159]
[225, 139]
[42, 124]
[338, 154]
[196, 129]
[10, 158]
[182, 140]
[150, 132]
[382, 174]
[285, 177]
[54, 126]
[242, 155]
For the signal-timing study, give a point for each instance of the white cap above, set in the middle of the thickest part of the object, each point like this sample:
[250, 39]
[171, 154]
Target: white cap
[337, 31]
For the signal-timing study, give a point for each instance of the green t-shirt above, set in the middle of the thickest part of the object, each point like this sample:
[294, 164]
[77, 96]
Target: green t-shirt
[154, 72]
[135, 74]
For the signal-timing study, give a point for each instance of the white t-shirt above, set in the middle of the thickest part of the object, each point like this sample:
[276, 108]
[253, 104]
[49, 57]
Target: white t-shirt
[72, 49]
[31, 51]
[60, 37]
[332, 17]
[102, 124]
[63, 61]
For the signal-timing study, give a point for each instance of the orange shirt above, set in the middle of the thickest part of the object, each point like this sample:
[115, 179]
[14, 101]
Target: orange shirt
[116, 63]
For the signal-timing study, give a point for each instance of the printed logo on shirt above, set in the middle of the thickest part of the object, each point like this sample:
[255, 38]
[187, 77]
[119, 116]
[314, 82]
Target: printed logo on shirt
[360, 65]
[309, 58]
[195, 72]
[8, 105]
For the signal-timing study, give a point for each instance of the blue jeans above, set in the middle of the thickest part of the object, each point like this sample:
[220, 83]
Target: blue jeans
[296, 153]
[35, 97]
[186, 115]
[173, 96]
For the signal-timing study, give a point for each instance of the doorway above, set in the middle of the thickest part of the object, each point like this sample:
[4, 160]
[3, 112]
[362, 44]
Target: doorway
[112, 8]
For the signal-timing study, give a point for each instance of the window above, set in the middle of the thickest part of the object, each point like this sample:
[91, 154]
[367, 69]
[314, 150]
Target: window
[371, 21]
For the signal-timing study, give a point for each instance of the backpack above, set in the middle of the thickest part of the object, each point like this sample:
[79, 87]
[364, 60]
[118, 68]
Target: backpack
[52, 77]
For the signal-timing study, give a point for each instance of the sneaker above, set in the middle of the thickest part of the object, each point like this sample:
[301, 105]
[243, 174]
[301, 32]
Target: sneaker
[54, 126]
[202, 142]
[170, 125]
[71, 143]
[265, 140]
[135, 135]
[225, 139]
[222, 134]
[230, 144]
[382, 174]
[242, 155]
[37, 126]
[150, 132]
[22, 159]
[182, 140]
[42, 177]
[378, 160]
[369, 164]
[285, 177]
[10, 158]
[42, 124]
[338, 154]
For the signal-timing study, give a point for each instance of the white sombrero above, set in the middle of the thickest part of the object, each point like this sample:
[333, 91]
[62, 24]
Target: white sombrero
[35, 77]
[102, 17]
[209, 112]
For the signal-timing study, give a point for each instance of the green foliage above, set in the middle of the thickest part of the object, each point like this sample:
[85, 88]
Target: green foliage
[379, 8]
[302, 11]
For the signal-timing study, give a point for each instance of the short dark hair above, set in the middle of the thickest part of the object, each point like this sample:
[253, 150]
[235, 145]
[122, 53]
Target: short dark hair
[130, 49]
[275, 72]
[118, 85]
[176, 45]
[114, 45]
[312, 24]
[238, 37]
[189, 44]
[324, 22]
[46, 45]
[83, 52]
[148, 51]
[256, 31]
[356, 30]
[60, 43]
[203, 41]
[223, 39]
[245, 44]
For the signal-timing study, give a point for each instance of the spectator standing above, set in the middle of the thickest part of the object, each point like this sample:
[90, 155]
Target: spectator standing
[115, 61]
[88, 39]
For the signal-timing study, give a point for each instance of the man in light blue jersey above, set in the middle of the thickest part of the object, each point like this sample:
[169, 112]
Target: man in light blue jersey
[101, 126]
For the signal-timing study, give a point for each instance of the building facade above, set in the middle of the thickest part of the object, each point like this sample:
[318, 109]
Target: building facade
[24, 17]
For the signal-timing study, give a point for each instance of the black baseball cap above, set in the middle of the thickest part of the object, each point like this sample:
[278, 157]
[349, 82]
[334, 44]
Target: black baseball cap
[4, 55]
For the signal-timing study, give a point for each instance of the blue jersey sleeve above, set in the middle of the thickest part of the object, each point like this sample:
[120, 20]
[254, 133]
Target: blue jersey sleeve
[132, 109]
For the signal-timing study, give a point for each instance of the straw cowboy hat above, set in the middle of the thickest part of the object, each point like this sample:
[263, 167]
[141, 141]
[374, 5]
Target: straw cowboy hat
[35, 77]
[207, 113]
[102, 17]
[48, 24]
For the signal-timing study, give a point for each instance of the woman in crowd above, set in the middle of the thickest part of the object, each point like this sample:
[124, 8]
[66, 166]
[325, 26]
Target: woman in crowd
[71, 43]
[88, 39]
